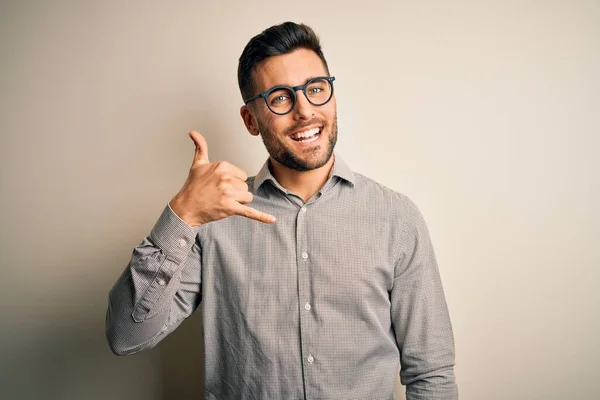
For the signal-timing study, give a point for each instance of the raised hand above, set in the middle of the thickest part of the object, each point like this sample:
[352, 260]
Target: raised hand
[214, 191]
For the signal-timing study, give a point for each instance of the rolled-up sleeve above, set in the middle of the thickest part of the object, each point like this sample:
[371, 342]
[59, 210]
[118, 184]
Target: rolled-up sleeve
[160, 287]
[420, 315]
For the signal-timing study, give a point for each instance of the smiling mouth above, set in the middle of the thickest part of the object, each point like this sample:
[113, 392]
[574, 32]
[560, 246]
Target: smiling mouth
[307, 136]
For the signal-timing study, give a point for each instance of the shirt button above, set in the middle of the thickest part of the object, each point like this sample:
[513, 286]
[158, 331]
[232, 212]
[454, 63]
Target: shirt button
[305, 255]
[182, 242]
[307, 307]
[310, 358]
[161, 282]
[303, 209]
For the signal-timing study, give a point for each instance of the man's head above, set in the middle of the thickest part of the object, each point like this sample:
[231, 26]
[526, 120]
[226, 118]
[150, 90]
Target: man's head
[289, 55]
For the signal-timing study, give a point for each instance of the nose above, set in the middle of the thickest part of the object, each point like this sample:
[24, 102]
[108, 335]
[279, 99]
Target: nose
[303, 109]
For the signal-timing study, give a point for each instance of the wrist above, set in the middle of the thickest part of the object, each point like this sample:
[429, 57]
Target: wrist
[179, 209]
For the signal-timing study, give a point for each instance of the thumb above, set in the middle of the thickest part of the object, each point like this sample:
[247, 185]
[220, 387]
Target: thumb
[201, 155]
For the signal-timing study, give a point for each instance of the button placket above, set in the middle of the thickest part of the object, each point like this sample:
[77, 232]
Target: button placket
[303, 267]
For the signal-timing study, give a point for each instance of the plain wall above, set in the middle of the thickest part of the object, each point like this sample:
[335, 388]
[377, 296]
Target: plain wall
[485, 113]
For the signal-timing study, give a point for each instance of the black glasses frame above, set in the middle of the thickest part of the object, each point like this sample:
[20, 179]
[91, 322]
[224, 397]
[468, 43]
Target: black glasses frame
[293, 90]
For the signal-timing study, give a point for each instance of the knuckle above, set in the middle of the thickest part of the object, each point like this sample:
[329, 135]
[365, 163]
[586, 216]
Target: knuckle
[225, 177]
[222, 186]
[221, 166]
[223, 174]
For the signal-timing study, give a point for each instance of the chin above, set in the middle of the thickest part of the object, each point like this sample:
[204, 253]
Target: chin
[305, 163]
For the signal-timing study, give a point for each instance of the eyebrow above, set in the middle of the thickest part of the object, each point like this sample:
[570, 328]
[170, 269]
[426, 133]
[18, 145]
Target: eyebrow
[287, 85]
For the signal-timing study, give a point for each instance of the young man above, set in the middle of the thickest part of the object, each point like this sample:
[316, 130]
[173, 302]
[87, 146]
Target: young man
[326, 301]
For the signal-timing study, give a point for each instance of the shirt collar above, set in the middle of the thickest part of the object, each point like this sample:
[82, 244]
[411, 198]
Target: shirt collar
[340, 169]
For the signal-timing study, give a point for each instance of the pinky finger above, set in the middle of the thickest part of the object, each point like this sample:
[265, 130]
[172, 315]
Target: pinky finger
[252, 213]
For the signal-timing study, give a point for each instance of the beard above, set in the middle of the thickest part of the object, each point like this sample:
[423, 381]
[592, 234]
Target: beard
[310, 159]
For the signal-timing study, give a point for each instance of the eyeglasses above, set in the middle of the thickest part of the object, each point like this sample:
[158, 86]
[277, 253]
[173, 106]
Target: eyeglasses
[282, 99]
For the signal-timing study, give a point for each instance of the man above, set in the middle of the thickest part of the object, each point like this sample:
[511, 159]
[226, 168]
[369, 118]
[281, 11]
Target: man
[323, 302]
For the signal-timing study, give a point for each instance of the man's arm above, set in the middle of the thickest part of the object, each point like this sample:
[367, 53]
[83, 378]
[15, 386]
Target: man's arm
[420, 315]
[159, 288]
[161, 285]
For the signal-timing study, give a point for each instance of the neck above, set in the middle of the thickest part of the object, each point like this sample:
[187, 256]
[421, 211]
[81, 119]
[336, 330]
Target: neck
[303, 183]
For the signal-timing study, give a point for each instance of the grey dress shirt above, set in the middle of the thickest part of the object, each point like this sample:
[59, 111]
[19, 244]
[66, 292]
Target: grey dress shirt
[326, 303]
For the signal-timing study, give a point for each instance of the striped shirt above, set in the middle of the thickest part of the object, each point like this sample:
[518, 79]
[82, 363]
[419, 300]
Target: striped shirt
[326, 303]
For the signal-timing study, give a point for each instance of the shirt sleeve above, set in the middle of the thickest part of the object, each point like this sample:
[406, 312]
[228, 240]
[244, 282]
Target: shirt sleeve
[420, 315]
[160, 287]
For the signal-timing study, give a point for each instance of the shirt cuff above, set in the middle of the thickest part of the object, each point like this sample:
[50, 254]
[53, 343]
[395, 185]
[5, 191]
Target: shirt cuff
[173, 236]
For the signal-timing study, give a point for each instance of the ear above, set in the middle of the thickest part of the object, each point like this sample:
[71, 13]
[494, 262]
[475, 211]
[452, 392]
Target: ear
[249, 120]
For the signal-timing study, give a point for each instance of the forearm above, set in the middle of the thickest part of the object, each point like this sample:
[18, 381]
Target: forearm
[159, 288]
[439, 384]
[427, 343]
[426, 337]
[421, 318]
[126, 335]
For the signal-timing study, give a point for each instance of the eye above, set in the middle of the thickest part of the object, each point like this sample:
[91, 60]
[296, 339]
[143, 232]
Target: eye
[314, 90]
[279, 99]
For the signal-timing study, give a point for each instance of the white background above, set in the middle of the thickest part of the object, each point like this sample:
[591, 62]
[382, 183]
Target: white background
[485, 113]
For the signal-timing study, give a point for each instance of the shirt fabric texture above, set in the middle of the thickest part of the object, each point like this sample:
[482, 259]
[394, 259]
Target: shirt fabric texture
[326, 303]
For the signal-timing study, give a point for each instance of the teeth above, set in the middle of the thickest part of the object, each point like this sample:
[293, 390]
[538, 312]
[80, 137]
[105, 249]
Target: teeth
[305, 134]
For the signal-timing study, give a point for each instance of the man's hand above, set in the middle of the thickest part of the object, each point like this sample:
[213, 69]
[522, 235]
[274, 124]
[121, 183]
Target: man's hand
[214, 191]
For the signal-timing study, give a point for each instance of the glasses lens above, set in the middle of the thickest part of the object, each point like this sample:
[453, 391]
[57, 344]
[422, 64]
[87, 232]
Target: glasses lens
[281, 100]
[319, 91]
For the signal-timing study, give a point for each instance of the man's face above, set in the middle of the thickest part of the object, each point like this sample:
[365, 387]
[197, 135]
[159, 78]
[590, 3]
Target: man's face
[280, 132]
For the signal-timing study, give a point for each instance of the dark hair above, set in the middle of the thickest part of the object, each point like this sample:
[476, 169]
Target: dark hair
[274, 41]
